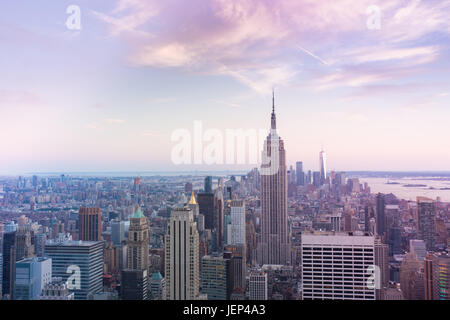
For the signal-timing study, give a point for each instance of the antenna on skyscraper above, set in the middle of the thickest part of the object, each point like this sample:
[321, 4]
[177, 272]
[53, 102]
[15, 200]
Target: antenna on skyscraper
[273, 100]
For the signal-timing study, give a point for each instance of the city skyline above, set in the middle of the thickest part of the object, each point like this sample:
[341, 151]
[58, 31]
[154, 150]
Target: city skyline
[139, 161]
[107, 96]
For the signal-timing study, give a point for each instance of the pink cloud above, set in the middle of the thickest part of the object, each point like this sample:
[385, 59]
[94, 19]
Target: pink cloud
[257, 41]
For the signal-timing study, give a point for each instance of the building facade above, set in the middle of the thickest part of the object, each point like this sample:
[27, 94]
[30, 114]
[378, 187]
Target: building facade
[274, 245]
[182, 256]
[80, 263]
[90, 224]
[338, 266]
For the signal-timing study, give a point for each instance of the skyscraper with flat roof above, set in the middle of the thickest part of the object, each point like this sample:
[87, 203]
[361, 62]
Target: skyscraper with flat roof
[426, 213]
[80, 263]
[237, 213]
[31, 275]
[215, 277]
[208, 184]
[338, 266]
[300, 174]
[380, 215]
[258, 285]
[9, 259]
[206, 208]
[90, 224]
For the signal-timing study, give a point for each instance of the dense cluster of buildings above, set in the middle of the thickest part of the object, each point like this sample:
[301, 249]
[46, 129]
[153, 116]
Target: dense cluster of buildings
[273, 233]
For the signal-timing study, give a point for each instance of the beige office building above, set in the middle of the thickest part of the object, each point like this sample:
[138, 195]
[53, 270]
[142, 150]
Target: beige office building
[182, 256]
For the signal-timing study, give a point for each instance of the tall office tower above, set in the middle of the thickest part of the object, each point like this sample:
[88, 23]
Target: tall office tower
[134, 284]
[9, 260]
[111, 259]
[138, 242]
[193, 205]
[300, 173]
[353, 185]
[316, 179]
[227, 225]
[137, 183]
[90, 224]
[412, 278]
[80, 263]
[429, 275]
[157, 287]
[366, 218]
[182, 256]
[340, 178]
[382, 261]
[31, 275]
[335, 266]
[418, 247]
[291, 176]
[218, 218]
[39, 243]
[56, 290]
[208, 185]
[381, 216]
[309, 177]
[215, 277]
[442, 278]
[323, 166]
[237, 222]
[394, 240]
[24, 246]
[117, 232]
[238, 266]
[206, 208]
[274, 246]
[258, 286]
[426, 212]
[35, 181]
[251, 241]
[188, 187]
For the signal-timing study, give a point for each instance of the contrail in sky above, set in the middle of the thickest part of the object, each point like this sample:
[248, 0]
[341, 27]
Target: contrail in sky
[313, 55]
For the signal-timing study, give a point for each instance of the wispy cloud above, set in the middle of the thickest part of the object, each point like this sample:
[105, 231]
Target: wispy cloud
[257, 41]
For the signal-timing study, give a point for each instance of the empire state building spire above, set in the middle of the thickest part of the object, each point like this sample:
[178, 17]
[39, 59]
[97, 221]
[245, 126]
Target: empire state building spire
[273, 118]
[274, 246]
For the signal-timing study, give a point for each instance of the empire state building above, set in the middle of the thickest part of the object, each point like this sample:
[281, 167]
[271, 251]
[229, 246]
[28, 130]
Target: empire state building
[274, 244]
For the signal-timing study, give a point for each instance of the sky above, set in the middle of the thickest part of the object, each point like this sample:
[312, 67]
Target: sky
[368, 81]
